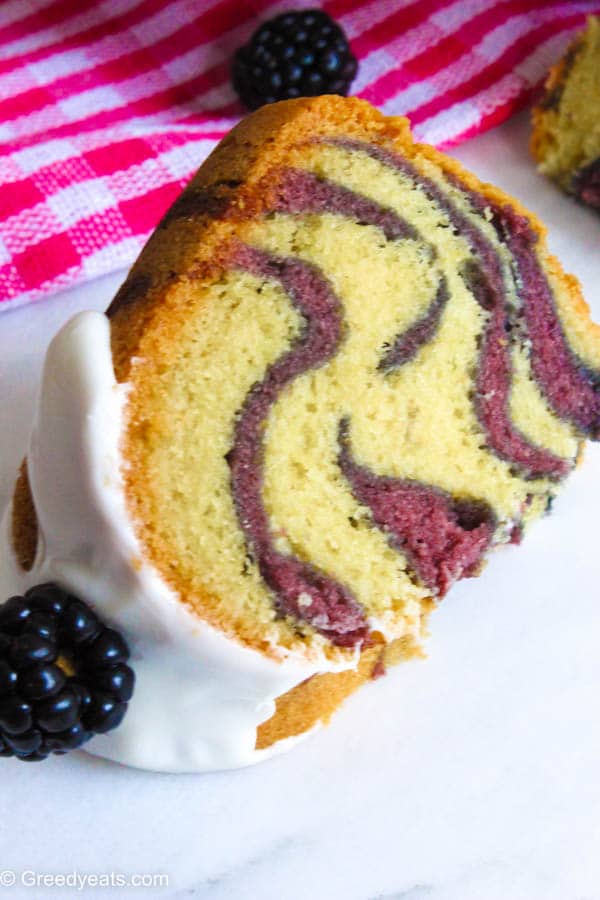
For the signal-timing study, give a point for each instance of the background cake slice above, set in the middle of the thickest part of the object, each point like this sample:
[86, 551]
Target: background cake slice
[566, 122]
[347, 370]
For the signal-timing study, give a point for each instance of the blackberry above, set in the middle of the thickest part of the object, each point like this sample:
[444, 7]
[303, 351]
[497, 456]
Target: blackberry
[63, 674]
[296, 54]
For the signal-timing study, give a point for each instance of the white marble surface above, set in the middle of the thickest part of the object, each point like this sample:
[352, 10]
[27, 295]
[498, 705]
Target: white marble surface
[472, 776]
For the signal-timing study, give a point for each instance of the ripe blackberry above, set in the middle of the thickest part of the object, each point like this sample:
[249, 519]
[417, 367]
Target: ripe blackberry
[296, 54]
[63, 674]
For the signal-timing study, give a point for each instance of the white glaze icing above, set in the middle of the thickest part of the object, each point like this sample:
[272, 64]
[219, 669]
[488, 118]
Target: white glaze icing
[199, 695]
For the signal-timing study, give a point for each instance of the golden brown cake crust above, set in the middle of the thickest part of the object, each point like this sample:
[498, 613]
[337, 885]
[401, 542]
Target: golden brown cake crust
[24, 521]
[229, 187]
[186, 242]
[184, 246]
[317, 699]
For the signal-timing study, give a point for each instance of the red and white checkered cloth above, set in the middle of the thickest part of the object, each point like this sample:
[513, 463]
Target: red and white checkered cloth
[107, 108]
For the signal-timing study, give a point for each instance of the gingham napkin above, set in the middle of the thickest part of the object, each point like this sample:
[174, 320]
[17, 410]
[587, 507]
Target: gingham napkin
[107, 108]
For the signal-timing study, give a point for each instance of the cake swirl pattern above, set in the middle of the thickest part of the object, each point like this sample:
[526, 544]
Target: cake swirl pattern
[458, 532]
[442, 538]
[301, 591]
[571, 387]
[487, 283]
[392, 408]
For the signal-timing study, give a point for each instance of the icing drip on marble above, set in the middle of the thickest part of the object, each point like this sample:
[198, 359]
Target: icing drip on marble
[199, 694]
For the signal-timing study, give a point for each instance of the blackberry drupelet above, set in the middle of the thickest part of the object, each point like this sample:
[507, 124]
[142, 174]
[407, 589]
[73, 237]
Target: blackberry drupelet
[63, 674]
[296, 54]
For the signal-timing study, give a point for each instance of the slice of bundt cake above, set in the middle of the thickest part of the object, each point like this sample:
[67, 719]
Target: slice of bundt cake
[566, 122]
[345, 370]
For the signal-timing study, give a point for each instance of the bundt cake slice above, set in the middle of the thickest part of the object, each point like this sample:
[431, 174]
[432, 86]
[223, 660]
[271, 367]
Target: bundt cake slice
[566, 122]
[345, 370]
